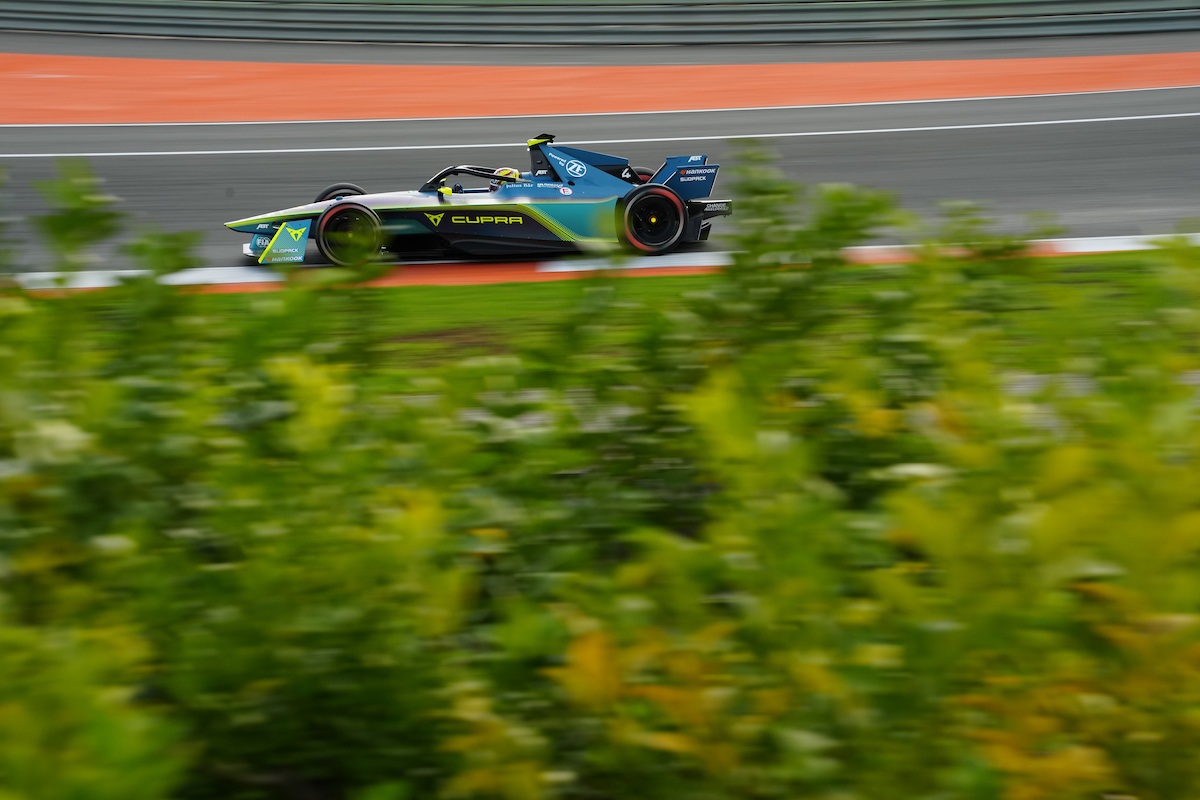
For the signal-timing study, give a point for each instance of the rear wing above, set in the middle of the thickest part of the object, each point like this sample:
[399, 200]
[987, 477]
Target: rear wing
[691, 177]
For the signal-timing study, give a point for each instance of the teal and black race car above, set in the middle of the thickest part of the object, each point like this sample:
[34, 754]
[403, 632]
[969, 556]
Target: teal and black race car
[568, 200]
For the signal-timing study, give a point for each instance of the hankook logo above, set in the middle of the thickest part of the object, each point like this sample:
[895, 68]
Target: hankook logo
[436, 219]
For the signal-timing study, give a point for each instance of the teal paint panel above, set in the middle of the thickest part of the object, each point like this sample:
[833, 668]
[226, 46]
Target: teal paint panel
[288, 244]
[584, 220]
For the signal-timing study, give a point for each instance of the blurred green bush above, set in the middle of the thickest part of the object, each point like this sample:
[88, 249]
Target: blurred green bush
[785, 546]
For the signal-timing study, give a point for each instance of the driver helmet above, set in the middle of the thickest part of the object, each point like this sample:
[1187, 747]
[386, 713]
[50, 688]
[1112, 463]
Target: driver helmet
[505, 172]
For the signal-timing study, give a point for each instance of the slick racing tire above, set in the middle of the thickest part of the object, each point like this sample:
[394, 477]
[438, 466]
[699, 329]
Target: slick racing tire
[652, 219]
[644, 174]
[339, 190]
[348, 234]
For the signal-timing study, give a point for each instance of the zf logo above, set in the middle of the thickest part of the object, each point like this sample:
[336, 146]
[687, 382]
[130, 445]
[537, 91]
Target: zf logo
[576, 169]
[436, 219]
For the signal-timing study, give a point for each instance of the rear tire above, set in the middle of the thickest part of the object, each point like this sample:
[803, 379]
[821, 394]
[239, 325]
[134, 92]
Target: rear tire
[348, 234]
[644, 174]
[339, 190]
[652, 219]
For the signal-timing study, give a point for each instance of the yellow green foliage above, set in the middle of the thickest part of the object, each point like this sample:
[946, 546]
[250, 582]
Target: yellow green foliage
[798, 540]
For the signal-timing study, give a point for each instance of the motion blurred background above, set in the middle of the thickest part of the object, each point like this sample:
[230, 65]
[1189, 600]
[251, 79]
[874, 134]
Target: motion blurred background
[804, 525]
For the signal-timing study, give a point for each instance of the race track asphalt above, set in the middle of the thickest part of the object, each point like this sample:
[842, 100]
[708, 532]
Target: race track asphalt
[1100, 172]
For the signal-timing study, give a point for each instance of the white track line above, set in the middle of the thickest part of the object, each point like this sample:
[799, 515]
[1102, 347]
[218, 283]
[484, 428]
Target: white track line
[99, 279]
[873, 253]
[660, 139]
[588, 113]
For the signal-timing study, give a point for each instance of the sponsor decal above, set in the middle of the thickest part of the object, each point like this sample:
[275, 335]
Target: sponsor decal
[696, 174]
[261, 242]
[481, 220]
[263, 226]
[436, 219]
[576, 169]
[297, 235]
[541, 172]
[716, 206]
[565, 190]
[694, 159]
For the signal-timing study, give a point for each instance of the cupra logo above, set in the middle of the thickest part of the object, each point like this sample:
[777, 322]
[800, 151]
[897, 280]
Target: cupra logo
[296, 234]
[436, 218]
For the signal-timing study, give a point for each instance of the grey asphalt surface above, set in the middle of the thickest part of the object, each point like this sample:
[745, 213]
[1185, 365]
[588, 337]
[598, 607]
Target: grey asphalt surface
[1099, 177]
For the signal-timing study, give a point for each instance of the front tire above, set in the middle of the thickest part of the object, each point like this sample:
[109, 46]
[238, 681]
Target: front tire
[339, 190]
[348, 234]
[652, 219]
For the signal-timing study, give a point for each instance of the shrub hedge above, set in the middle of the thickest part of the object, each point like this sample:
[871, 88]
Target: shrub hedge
[783, 545]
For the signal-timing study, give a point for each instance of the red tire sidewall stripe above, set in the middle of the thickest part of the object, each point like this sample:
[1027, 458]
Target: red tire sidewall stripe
[660, 192]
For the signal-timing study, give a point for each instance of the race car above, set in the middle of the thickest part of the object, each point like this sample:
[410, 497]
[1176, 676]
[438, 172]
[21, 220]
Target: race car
[569, 200]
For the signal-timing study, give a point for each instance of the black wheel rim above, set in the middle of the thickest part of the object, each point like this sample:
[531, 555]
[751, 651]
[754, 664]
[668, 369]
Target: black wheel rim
[654, 221]
[350, 236]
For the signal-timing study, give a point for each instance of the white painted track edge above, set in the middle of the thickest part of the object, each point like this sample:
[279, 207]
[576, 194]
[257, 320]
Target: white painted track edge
[229, 276]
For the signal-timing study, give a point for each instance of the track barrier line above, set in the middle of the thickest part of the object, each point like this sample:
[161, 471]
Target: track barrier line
[625, 23]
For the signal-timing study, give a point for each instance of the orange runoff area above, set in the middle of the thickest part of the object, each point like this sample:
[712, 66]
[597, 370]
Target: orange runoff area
[458, 275]
[79, 89]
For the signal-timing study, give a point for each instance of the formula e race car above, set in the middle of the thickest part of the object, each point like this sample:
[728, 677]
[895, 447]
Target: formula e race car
[568, 200]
